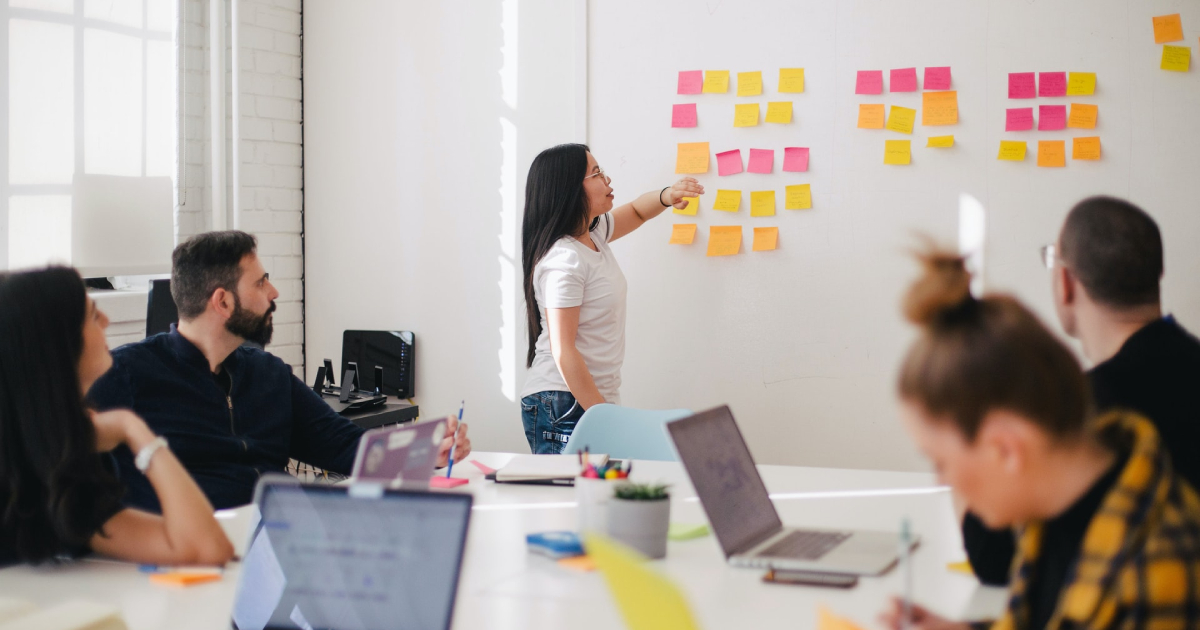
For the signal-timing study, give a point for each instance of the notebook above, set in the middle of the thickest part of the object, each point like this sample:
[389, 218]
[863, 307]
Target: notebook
[544, 468]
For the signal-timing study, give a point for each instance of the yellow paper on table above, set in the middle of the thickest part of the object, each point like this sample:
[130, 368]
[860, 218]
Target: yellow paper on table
[901, 119]
[683, 234]
[1012, 150]
[1086, 148]
[745, 115]
[870, 116]
[749, 83]
[940, 142]
[897, 152]
[724, 240]
[716, 82]
[1052, 153]
[826, 620]
[691, 157]
[728, 200]
[765, 239]
[1081, 83]
[647, 600]
[939, 108]
[693, 204]
[1176, 58]
[1083, 116]
[779, 112]
[762, 203]
[791, 80]
[798, 197]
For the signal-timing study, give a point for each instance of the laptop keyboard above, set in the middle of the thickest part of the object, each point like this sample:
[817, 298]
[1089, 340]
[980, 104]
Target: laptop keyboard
[805, 545]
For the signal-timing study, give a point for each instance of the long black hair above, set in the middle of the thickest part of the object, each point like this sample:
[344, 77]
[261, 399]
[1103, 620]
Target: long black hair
[53, 484]
[555, 206]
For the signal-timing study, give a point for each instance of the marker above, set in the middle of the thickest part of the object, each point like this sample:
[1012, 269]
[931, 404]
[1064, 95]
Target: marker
[906, 560]
[454, 439]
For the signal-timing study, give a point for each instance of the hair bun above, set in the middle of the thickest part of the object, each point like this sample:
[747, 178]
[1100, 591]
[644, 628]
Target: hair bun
[944, 286]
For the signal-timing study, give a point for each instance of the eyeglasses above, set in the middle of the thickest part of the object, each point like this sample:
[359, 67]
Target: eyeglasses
[1049, 255]
[599, 173]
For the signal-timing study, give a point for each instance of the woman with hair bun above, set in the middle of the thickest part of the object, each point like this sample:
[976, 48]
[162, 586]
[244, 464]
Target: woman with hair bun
[1109, 536]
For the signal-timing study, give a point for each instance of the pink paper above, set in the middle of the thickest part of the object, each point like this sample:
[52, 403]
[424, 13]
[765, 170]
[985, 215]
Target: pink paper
[729, 162]
[869, 82]
[1021, 85]
[484, 468]
[795, 159]
[691, 81]
[683, 115]
[762, 161]
[1052, 117]
[1052, 84]
[439, 481]
[904, 80]
[937, 78]
[1019, 119]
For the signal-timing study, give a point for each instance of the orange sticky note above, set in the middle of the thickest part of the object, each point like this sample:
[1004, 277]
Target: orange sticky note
[798, 197]
[1012, 151]
[724, 240]
[826, 620]
[870, 116]
[183, 578]
[762, 203]
[1052, 153]
[578, 563]
[897, 152]
[765, 239]
[1082, 116]
[1167, 28]
[683, 234]
[1086, 148]
[939, 108]
[691, 157]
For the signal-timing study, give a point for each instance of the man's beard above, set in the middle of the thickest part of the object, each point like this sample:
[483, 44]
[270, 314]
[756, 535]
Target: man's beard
[250, 326]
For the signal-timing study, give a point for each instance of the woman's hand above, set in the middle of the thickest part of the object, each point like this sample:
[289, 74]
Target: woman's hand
[117, 427]
[686, 187]
[922, 619]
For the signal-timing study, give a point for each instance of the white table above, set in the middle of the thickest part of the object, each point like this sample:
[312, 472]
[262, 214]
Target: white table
[503, 586]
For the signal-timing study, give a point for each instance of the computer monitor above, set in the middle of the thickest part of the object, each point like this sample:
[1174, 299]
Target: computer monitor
[393, 350]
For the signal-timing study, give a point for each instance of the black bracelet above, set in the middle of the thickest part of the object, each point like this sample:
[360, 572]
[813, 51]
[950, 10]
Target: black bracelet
[660, 197]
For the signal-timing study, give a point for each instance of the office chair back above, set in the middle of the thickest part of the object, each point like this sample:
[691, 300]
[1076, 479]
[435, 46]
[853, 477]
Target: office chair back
[160, 308]
[625, 433]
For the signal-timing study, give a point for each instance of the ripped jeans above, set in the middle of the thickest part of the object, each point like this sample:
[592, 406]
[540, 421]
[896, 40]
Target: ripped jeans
[549, 418]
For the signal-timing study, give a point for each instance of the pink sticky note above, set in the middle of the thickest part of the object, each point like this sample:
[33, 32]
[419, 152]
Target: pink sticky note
[869, 82]
[439, 481]
[904, 80]
[762, 161]
[795, 159]
[1018, 119]
[729, 162]
[937, 78]
[484, 468]
[1052, 117]
[1021, 85]
[691, 81]
[683, 115]
[1052, 84]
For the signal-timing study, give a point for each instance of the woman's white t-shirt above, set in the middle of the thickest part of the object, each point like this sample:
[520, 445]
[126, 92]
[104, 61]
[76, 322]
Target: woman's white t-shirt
[570, 275]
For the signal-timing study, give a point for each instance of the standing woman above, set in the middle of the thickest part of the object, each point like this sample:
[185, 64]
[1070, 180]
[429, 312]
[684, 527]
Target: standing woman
[574, 289]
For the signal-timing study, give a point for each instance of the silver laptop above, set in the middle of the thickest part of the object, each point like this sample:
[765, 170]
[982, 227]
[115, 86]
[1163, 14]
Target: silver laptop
[745, 521]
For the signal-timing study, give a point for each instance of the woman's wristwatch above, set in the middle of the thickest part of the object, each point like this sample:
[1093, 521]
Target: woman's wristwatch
[142, 461]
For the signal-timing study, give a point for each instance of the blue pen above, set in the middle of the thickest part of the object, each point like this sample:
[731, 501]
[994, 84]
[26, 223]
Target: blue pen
[454, 442]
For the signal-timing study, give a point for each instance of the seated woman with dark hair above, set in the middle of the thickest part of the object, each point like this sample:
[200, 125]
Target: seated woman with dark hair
[58, 493]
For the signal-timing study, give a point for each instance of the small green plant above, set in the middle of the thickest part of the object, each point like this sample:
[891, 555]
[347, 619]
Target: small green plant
[642, 492]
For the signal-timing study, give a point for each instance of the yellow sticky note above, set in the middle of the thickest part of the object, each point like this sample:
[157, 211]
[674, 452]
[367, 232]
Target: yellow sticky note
[762, 203]
[870, 116]
[724, 240]
[1176, 58]
[693, 204]
[962, 566]
[901, 119]
[683, 234]
[826, 620]
[1082, 116]
[1167, 28]
[1052, 153]
[716, 81]
[1086, 148]
[798, 197]
[646, 599]
[939, 108]
[940, 142]
[1012, 150]
[765, 239]
[745, 115]
[1081, 83]
[897, 152]
[691, 157]
[779, 112]
[791, 80]
[749, 83]
[728, 200]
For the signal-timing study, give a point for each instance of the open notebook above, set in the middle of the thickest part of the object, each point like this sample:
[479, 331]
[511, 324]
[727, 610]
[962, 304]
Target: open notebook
[544, 468]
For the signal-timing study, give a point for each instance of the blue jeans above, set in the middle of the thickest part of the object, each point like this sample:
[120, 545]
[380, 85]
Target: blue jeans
[549, 419]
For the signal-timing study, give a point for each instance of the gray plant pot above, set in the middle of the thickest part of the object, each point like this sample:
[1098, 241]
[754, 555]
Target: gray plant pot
[642, 525]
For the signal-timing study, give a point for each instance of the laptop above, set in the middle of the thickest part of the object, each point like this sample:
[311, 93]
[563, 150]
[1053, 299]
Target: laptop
[399, 456]
[715, 455]
[353, 557]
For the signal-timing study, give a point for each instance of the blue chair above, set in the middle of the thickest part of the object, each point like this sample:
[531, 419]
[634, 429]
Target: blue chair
[625, 433]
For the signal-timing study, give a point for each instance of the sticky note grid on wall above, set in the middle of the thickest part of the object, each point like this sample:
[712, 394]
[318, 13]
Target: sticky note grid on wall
[938, 107]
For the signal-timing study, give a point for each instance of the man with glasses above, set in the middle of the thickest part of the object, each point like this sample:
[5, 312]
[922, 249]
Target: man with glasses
[1106, 268]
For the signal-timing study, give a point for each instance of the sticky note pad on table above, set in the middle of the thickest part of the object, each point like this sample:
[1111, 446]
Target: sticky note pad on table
[646, 599]
[795, 159]
[937, 78]
[869, 82]
[903, 80]
[683, 234]
[1021, 85]
[691, 157]
[1081, 83]
[940, 142]
[762, 160]
[1052, 153]
[897, 152]
[1176, 58]
[724, 240]
[1052, 84]
[729, 162]
[690, 81]
[762, 203]
[1083, 116]
[1018, 119]
[1167, 28]
[870, 116]
[1052, 117]
[901, 119]
[728, 200]
[826, 620]
[791, 80]
[939, 108]
[745, 115]
[1086, 148]
[765, 239]
[749, 83]
[716, 81]
[779, 112]
[439, 481]
[693, 204]
[583, 564]
[683, 115]
[798, 197]
[1011, 150]
[184, 578]
[680, 532]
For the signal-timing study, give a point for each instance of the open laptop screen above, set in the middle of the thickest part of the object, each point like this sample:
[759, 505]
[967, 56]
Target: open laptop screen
[326, 557]
[720, 466]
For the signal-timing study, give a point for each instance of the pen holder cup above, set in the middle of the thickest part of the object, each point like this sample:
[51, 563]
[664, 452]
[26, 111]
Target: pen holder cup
[642, 525]
[593, 497]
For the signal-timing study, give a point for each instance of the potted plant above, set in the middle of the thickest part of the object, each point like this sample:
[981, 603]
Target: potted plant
[639, 515]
